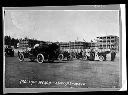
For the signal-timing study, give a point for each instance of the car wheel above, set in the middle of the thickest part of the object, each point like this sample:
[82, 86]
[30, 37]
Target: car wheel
[40, 58]
[21, 56]
[85, 57]
[60, 57]
[69, 58]
[101, 58]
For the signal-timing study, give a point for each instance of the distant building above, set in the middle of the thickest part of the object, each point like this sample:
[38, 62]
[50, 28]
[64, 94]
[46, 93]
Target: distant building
[108, 42]
[76, 46]
[92, 45]
[25, 43]
[64, 46]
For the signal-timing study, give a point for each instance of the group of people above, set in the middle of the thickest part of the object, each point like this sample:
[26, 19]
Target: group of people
[92, 53]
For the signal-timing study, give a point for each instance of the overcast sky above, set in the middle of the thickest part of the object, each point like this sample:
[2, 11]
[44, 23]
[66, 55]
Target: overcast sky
[61, 25]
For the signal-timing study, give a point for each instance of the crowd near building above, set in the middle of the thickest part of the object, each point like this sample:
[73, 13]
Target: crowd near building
[103, 42]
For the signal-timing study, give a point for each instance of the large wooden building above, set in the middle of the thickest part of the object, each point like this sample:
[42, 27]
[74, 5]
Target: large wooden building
[75, 46]
[108, 42]
[25, 43]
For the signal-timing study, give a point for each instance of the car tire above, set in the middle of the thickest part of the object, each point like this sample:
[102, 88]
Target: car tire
[60, 57]
[85, 57]
[21, 57]
[68, 58]
[101, 58]
[40, 58]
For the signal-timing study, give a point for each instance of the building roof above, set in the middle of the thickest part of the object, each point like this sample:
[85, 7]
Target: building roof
[108, 36]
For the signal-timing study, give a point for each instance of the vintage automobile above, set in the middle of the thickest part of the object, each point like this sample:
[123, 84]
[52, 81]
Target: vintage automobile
[44, 52]
[96, 55]
[9, 51]
[65, 55]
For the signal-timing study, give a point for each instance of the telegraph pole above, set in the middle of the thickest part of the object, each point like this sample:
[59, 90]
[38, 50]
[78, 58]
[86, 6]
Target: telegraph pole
[77, 45]
[69, 46]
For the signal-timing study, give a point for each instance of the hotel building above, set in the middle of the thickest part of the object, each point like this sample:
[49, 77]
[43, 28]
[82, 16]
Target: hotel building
[76, 46]
[108, 42]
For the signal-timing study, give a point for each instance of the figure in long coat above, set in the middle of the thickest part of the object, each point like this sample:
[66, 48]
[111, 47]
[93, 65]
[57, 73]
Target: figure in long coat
[113, 55]
[92, 55]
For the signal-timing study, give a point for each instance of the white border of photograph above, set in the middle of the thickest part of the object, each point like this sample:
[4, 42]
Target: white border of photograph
[122, 37]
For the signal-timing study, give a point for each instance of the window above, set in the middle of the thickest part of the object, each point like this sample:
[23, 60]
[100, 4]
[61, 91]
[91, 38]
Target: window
[104, 41]
[104, 45]
[112, 40]
[112, 46]
[108, 37]
[108, 46]
[108, 40]
[104, 37]
[100, 38]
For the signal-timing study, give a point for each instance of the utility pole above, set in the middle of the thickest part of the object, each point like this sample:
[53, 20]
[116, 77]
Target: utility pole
[69, 46]
[77, 45]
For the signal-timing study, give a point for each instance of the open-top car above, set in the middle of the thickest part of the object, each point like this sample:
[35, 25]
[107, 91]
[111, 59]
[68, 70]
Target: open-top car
[44, 52]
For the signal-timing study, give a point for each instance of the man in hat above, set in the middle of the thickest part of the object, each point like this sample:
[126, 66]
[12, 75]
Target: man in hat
[92, 54]
[113, 54]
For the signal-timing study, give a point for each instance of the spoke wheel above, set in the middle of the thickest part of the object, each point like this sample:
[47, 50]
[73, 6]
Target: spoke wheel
[60, 57]
[21, 57]
[40, 58]
[85, 57]
[101, 58]
[69, 58]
